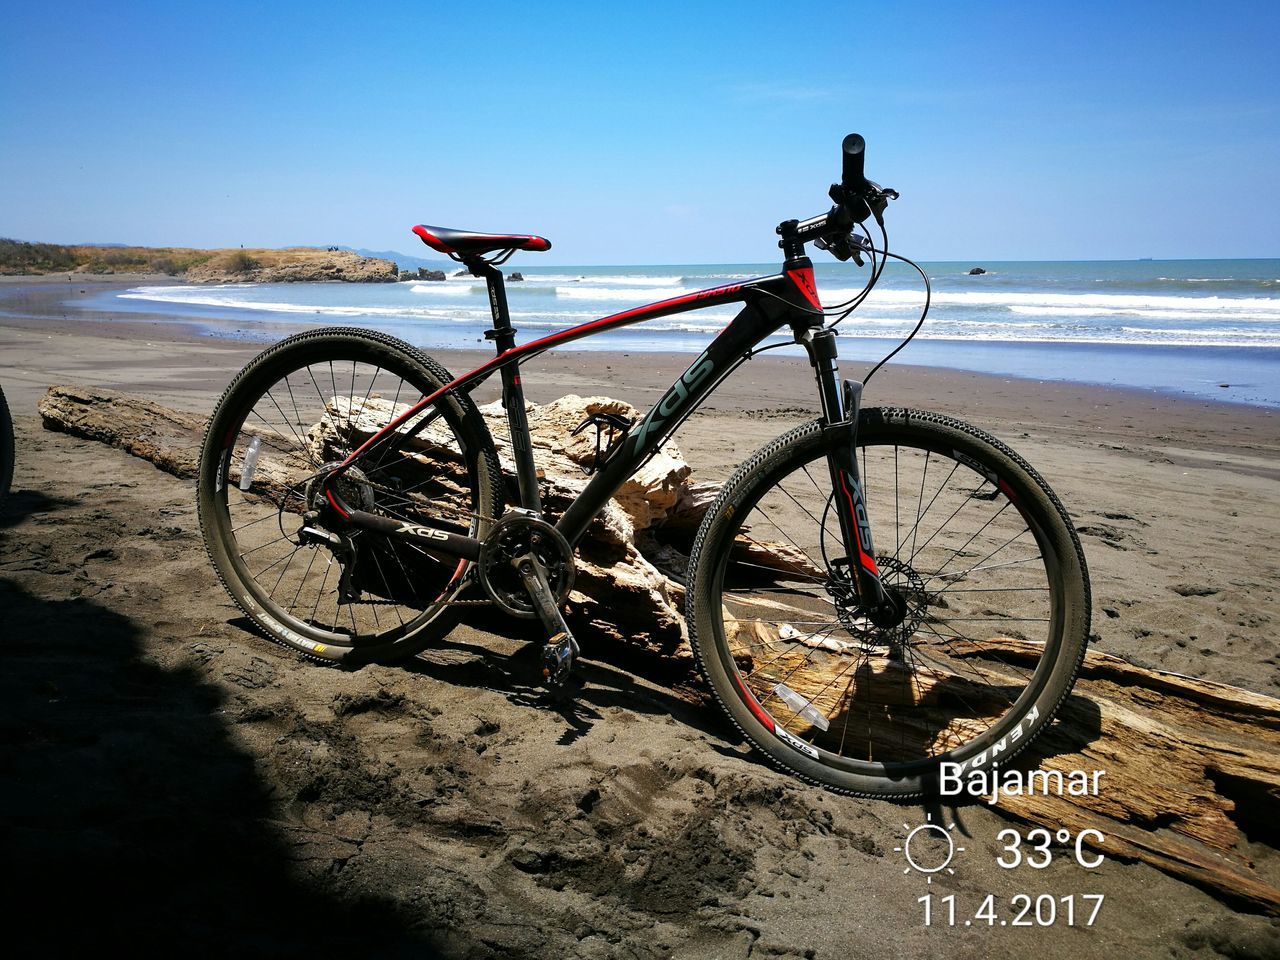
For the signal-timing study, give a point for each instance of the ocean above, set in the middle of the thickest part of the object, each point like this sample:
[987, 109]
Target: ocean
[1201, 328]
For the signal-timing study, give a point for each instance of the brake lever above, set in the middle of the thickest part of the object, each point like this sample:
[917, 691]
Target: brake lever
[850, 246]
[878, 198]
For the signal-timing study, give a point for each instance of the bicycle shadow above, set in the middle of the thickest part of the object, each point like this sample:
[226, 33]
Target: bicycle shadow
[21, 504]
[130, 806]
[597, 684]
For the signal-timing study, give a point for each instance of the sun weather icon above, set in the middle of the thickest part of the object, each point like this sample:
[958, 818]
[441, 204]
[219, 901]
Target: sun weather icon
[929, 848]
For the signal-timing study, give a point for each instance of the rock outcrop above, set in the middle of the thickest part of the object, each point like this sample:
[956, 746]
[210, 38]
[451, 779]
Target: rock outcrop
[422, 273]
[303, 265]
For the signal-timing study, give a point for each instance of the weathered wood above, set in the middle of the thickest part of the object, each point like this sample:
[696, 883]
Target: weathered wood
[1192, 771]
[168, 438]
[1191, 768]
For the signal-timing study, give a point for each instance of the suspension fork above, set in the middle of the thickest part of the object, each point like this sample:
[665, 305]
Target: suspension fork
[840, 408]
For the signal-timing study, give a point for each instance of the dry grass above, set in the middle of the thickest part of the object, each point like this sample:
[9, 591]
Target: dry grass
[18, 257]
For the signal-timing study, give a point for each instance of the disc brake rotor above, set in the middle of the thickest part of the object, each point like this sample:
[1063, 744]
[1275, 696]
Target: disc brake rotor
[909, 585]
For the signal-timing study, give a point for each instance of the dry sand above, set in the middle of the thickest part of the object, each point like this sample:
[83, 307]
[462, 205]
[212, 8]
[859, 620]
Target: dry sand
[173, 781]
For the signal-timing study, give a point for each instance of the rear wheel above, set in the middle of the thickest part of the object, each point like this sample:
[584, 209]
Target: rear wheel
[291, 415]
[972, 539]
[6, 449]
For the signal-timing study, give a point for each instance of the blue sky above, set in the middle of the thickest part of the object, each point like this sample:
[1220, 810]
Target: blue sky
[644, 133]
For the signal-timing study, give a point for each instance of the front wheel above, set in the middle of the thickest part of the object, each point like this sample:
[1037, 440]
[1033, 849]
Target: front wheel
[971, 538]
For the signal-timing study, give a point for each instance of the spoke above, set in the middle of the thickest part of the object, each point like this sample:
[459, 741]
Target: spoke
[977, 643]
[932, 500]
[262, 546]
[281, 560]
[968, 499]
[303, 582]
[324, 405]
[328, 567]
[386, 583]
[813, 700]
[920, 500]
[793, 574]
[395, 554]
[804, 553]
[267, 440]
[992, 620]
[897, 526]
[999, 589]
[292, 429]
[848, 702]
[942, 671]
[791, 623]
[273, 515]
[757, 669]
[956, 552]
[960, 575]
[297, 413]
[388, 444]
[964, 662]
[283, 570]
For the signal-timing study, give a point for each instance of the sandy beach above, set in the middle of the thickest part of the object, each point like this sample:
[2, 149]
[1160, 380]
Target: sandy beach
[203, 790]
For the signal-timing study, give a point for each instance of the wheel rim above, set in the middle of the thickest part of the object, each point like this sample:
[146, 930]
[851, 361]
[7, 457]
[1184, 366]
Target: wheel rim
[977, 645]
[303, 418]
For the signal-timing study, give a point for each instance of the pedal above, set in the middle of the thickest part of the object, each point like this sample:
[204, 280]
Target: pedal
[557, 660]
[562, 648]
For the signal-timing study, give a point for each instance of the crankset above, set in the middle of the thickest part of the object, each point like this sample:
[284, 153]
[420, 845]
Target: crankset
[516, 536]
[527, 566]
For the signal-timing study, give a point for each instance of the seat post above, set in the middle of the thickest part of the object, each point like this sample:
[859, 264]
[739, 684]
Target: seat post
[504, 337]
[503, 334]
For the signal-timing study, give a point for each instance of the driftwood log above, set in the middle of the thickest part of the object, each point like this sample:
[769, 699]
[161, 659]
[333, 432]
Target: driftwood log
[618, 593]
[1192, 768]
[629, 586]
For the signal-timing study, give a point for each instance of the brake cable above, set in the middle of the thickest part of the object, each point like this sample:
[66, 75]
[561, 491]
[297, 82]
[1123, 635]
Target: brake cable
[928, 296]
[877, 268]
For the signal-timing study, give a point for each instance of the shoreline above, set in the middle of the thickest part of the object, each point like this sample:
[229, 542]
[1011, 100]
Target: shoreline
[1172, 370]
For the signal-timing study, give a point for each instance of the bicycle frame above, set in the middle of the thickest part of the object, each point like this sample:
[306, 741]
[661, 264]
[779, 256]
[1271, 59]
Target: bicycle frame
[770, 303]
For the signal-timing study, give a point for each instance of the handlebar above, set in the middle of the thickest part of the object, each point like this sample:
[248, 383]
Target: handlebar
[854, 149]
[856, 198]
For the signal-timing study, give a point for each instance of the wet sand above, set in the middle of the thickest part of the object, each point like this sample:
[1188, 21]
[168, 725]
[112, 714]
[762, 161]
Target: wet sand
[272, 806]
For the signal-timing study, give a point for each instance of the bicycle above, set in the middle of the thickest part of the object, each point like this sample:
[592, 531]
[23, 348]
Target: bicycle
[6, 450]
[355, 531]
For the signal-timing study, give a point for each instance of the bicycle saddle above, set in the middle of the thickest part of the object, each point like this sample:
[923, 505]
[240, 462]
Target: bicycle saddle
[468, 242]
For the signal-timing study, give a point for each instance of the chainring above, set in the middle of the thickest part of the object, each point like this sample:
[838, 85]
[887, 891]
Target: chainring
[512, 537]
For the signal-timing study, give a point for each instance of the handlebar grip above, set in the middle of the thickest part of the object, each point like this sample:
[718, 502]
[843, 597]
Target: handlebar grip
[854, 149]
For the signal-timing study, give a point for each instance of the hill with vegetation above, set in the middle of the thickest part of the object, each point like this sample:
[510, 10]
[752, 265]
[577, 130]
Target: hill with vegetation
[18, 257]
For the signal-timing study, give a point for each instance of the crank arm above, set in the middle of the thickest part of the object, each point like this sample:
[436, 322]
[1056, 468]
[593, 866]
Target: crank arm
[561, 648]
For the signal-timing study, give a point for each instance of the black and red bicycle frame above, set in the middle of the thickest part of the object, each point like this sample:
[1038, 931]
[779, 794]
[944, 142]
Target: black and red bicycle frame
[769, 303]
